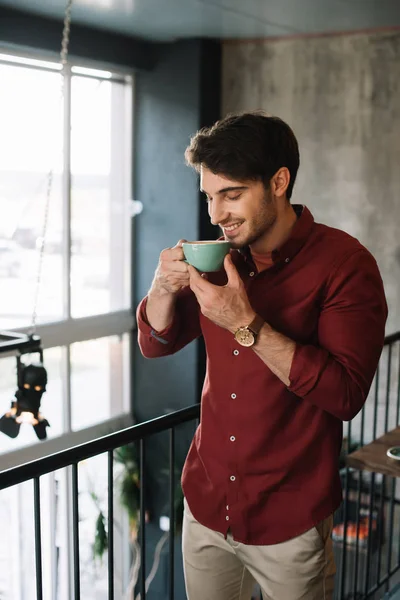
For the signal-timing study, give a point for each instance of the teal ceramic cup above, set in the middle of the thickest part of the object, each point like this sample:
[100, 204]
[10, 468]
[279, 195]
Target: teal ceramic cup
[206, 256]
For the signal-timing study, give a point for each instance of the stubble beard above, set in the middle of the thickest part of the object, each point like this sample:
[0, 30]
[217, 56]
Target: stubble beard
[260, 225]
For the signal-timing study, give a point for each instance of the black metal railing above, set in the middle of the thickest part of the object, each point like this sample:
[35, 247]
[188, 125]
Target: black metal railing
[366, 527]
[71, 458]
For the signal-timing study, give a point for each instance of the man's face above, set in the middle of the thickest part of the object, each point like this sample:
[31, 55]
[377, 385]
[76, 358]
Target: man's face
[244, 210]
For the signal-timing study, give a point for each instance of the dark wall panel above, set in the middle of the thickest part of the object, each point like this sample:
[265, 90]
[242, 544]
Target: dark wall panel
[180, 95]
[167, 112]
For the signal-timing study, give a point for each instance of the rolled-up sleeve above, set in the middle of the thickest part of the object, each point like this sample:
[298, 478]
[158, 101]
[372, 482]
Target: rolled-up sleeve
[184, 328]
[337, 374]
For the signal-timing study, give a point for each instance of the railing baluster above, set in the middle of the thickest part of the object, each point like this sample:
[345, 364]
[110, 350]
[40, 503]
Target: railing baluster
[388, 377]
[359, 486]
[362, 426]
[359, 489]
[387, 405]
[172, 512]
[110, 525]
[75, 531]
[142, 522]
[372, 488]
[390, 542]
[343, 569]
[398, 389]
[375, 418]
[343, 561]
[357, 550]
[398, 423]
[368, 559]
[38, 538]
[380, 530]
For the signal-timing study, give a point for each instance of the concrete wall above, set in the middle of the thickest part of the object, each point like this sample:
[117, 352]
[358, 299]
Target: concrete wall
[341, 95]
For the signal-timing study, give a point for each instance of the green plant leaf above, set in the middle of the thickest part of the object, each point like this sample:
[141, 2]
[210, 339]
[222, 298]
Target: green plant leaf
[101, 537]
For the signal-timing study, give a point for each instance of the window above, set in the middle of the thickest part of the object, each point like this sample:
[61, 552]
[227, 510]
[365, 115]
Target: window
[99, 373]
[30, 145]
[84, 140]
[100, 221]
[84, 312]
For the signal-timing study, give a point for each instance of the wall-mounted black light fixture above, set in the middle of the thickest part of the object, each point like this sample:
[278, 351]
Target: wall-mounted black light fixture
[31, 381]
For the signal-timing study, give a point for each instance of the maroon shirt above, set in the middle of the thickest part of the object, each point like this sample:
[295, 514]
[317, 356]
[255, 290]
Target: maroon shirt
[264, 459]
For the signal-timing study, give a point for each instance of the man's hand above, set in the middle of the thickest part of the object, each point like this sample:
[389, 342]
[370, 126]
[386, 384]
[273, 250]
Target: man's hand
[172, 272]
[228, 306]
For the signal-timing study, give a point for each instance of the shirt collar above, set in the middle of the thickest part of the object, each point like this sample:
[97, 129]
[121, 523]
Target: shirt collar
[296, 241]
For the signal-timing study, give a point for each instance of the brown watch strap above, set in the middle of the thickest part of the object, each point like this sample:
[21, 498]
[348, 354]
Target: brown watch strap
[256, 324]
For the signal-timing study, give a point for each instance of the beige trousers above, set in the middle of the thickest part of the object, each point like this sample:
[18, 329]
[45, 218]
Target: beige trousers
[216, 568]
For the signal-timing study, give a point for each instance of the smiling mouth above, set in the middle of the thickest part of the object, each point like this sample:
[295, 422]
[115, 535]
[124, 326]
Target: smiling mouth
[232, 228]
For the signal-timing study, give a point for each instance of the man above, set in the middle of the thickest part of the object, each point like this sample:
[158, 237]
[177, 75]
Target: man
[294, 328]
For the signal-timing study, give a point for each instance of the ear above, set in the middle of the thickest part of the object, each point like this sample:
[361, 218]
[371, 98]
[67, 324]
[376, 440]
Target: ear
[280, 182]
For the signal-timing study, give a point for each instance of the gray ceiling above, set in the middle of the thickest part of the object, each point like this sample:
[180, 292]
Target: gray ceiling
[166, 20]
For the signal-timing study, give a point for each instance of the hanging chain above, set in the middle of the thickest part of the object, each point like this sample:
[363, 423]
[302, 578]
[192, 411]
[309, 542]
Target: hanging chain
[49, 187]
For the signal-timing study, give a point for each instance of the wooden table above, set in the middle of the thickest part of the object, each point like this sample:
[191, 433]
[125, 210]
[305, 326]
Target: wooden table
[372, 457]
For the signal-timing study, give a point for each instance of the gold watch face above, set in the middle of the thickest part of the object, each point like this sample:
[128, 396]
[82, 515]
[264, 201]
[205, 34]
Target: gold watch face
[245, 337]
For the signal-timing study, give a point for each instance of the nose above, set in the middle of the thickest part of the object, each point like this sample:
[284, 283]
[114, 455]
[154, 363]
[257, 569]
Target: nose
[218, 214]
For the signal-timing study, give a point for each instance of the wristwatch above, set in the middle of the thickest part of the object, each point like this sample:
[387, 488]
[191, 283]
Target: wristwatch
[247, 336]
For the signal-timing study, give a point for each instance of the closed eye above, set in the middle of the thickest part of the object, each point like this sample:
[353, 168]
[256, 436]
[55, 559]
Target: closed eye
[234, 197]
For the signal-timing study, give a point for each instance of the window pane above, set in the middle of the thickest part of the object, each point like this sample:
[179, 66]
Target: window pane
[51, 405]
[98, 380]
[92, 501]
[17, 542]
[30, 145]
[17, 562]
[93, 496]
[100, 225]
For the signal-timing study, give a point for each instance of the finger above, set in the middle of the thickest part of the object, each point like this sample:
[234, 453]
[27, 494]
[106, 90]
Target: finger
[181, 277]
[177, 250]
[174, 266]
[231, 271]
[182, 283]
[175, 253]
[196, 280]
[194, 273]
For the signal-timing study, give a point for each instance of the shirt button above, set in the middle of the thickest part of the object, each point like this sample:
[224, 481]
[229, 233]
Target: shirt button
[287, 260]
[232, 438]
[236, 352]
[233, 396]
[252, 274]
[227, 518]
[232, 478]
[227, 507]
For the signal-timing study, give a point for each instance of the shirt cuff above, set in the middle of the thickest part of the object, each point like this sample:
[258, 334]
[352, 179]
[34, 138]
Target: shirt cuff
[165, 336]
[308, 364]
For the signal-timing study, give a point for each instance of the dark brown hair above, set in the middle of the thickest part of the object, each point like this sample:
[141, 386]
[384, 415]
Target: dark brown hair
[246, 146]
